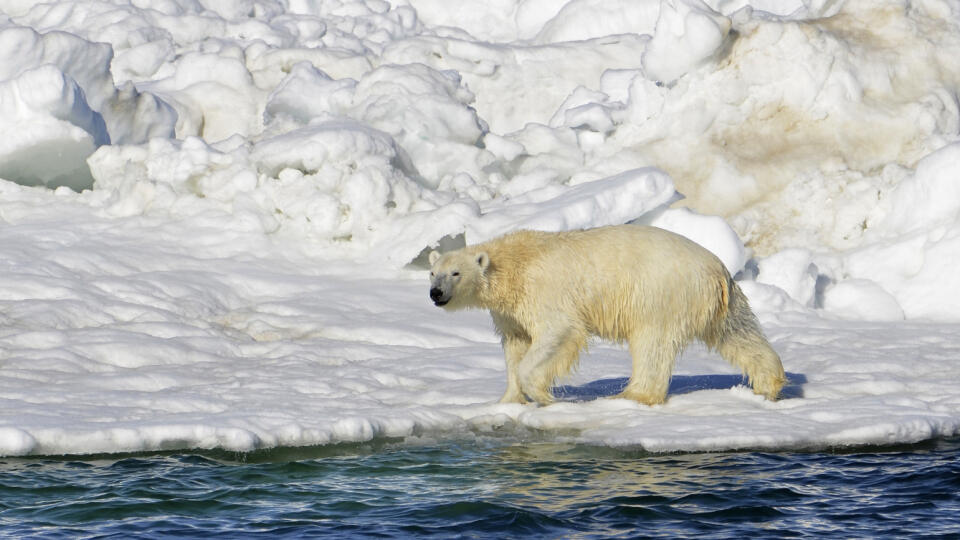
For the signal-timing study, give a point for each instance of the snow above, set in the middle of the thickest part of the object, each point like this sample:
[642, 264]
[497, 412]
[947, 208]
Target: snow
[687, 33]
[214, 215]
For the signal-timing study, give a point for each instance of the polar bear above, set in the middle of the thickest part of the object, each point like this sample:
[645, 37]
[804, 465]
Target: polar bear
[656, 290]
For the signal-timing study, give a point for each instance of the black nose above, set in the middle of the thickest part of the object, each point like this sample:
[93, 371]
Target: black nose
[435, 293]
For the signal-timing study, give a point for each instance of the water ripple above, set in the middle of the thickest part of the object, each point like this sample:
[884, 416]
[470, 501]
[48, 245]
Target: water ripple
[487, 490]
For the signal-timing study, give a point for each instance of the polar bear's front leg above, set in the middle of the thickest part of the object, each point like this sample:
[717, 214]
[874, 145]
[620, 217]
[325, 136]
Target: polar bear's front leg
[551, 355]
[514, 348]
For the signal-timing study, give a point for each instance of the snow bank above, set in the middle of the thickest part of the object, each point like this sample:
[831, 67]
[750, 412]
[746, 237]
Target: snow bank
[49, 130]
[766, 108]
[913, 244]
[687, 33]
[59, 104]
[250, 179]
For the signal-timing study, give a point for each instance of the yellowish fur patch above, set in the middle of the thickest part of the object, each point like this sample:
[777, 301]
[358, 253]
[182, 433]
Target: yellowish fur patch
[656, 290]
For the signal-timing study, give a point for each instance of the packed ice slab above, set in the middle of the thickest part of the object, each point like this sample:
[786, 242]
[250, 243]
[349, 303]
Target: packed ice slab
[213, 215]
[135, 334]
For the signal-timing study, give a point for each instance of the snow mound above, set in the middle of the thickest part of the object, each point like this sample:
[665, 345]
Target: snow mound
[59, 104]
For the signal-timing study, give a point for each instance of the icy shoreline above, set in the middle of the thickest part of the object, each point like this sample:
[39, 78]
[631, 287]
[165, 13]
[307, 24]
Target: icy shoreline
[114, 345]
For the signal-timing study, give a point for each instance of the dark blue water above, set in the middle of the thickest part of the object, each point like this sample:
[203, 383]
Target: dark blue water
[485, 490]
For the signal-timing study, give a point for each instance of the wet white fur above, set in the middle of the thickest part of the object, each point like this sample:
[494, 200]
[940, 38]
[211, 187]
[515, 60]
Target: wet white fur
[656, 290]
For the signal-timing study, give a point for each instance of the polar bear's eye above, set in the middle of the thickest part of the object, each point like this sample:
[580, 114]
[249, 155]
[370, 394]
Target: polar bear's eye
[455, 274]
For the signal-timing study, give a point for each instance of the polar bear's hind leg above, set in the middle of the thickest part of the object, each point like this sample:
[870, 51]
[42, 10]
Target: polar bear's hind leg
[741, 342]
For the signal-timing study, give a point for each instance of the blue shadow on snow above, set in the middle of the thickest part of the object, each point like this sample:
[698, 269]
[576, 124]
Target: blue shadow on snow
[679, 384]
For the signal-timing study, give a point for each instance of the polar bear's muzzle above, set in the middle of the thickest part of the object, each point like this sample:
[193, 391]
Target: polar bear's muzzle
[438, 297]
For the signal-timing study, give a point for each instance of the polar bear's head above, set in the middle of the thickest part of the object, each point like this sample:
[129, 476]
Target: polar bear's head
[456, 276]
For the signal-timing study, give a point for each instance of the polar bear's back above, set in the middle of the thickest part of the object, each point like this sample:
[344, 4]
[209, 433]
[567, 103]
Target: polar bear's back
[615, 279]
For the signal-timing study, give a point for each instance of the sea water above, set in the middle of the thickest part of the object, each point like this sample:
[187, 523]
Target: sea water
[477, 489]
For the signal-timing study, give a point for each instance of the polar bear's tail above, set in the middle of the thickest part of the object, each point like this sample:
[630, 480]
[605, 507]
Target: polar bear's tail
[741, 342]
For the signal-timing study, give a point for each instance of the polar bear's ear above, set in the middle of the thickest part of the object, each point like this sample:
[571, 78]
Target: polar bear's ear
[483, 261]
[434, 255]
